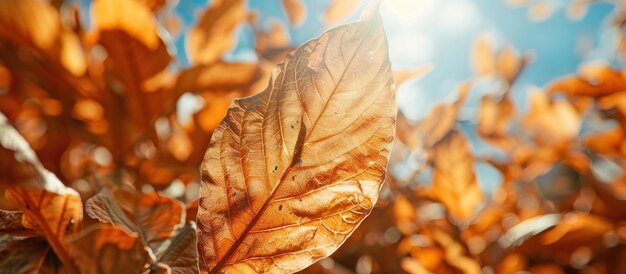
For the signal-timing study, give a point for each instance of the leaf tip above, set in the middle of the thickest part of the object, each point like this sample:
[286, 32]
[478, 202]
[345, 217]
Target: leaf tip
[371, 11]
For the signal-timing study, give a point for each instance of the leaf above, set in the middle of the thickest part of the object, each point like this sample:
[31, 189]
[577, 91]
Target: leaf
[181, 255]
[29, 21]
[439, 122]
[192, 210]
[551, 121]
[132, 17]
[402, 76]
[272, 45]
[51, 209]
[593, 81]
[339, 9]
[214, 34]
[404, 214]
[28, 255]
[135, 53]
[105, 249]
[454, 182]
[154, 217]
[509, 63]
[494, 119]
[296, 12]
[484, 57]
[11, 224]
[292, 171]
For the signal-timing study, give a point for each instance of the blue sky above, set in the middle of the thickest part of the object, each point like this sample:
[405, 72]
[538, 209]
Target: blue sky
[441, 33]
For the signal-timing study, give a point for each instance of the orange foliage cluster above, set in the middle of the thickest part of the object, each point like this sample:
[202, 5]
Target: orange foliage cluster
[89, 129]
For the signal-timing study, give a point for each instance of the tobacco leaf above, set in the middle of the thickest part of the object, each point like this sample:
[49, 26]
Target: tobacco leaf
[11, 223]
[292, 171]
[154, 217]
[49, 208]
[28, 255]
[454, 181]
[181, 256]
[105, 249]
[214, 33]
[339, 9]
[296, 12]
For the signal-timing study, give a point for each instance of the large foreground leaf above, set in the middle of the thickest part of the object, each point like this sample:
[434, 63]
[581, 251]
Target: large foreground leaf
[292, 171]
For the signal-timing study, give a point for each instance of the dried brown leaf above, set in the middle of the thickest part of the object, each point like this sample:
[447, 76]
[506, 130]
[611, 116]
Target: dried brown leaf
[494, 119]
[272, 45]
[454, 182]
[292, 171]
[339, 9]
[214, 34]
[29, 22]
[49, 208]
[484, 57]
[551, 121]
[28, 255]
[105, 249]
[509, 63]
[181, 256]
[402, 76]
[296, 12]
[592, 81]
[135, 53]
[11, 224]
[154, 217]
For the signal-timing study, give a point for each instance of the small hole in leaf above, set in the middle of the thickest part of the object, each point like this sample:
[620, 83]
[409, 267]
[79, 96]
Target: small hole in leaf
[280, 207]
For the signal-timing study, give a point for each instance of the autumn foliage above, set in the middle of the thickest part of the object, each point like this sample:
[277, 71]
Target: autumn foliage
[292, 163]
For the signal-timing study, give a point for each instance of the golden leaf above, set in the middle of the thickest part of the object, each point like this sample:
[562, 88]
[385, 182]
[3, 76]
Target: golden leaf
[27, 255]
[593, 81]
[272, 45]
[105, 249]
[154, 217]
[292, 171]
[494, 118]
[132, 17]
[135, 53]
[296, 12]
[181, 256]
[509, 63]
[214, 34]
[49, 208]
[339, 9]
[551, 121]
[439, 122]
[11, 224]
[454, 182]
[72, 55]
[483, 57]
[402, 76]
[29, 21]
